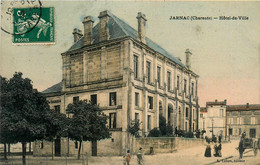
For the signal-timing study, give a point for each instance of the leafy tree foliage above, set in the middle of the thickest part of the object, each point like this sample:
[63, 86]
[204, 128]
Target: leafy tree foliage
[25, 113]
[87, 123]
[162, 124]
[164, 129]
[134, 128]
[154, 133]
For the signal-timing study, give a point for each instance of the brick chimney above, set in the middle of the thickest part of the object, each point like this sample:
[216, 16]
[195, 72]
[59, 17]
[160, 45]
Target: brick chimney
[188, 61]
[88, 26]
[141, 26]
[77, 34]
[103, 26]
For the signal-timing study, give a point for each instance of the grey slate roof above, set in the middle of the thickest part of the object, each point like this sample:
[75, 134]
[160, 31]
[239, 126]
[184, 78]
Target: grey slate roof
[54, 88]
[117, 29]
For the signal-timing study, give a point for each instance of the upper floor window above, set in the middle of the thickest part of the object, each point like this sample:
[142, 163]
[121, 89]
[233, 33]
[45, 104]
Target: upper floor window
[150, 102]
[178, 82]
[93, 99]
[201, 116]
[112, 120]
[137, 99]
[169, 80]
[57, 108]
[75, 99]
[221, 112]
[252, 120]
[192, 89]
[185, 85]
[241, 121]
[148, 71]
[230, 120]
[112, 98]
[187, 112]
[159, 76]
[135, 66]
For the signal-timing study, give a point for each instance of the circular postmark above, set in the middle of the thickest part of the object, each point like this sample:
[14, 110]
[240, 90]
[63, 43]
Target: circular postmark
[19, 17]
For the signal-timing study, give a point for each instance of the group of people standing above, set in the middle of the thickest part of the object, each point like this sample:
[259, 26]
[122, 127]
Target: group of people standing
[217, 147]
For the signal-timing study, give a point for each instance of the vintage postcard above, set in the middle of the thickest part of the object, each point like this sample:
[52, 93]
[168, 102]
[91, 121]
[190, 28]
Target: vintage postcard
[136, 82]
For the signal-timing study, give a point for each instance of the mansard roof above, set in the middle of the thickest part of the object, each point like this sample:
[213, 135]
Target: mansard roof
[118, 29]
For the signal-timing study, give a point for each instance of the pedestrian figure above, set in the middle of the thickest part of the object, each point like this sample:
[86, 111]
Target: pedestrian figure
[219, 138]
[243, 135]
[216, 150]
[241, 148]
[207, 139]
[214, 139]
[255, 147]
[128, 157]
[208, 151]
[140, 156]
[219, 150]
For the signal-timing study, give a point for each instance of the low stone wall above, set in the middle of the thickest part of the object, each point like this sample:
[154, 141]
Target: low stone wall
[183, 143]
[165, 144]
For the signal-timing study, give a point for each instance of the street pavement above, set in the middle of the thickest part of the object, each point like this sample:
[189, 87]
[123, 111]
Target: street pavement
[190, 156]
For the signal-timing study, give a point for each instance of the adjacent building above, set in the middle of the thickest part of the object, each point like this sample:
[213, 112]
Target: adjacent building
[243, 118]
[230, 121]
[214, 118]
[129, 76]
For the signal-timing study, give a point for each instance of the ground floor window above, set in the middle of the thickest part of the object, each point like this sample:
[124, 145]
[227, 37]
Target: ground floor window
[136, 117]
[93, 99]
[76, 144]
[150, 102]
[252, 133]
[239, 131]
[149, 123]
[230, 131]
[57, 108]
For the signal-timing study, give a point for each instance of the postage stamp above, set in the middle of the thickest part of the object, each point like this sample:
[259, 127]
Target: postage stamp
[31, 26]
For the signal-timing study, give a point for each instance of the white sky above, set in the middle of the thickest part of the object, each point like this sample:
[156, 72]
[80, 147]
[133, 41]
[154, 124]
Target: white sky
[226, 54]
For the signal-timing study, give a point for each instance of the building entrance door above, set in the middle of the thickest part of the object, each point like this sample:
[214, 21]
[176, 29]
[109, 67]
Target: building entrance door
[252, 133]
[57, 147]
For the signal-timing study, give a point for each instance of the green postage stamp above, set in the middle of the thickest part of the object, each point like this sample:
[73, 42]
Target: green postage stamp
[33, 25]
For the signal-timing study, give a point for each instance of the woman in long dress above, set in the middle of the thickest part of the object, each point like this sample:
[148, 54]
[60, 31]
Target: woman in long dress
[208, 151]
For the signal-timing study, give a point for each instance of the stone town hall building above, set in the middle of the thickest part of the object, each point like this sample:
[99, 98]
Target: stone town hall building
[129, 76]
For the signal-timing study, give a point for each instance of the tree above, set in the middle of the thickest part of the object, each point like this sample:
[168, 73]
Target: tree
[162, 125]
[25, 113]
[88, 123]
[165, 129]
[6, 132]
[154, 133]
[134, 128]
